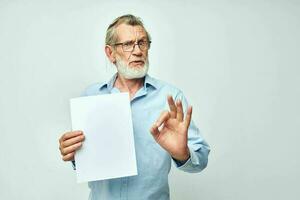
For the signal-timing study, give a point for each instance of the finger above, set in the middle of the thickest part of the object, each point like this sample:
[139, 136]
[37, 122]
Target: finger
[188, 116]
[69, 157]
[69, 135]
[154, 131]
[180, 114]
[72, 141]
[172, 106]
[163, 117]
[70, 149]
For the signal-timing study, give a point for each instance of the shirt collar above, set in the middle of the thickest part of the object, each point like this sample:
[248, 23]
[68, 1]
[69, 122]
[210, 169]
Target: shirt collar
[149, 81]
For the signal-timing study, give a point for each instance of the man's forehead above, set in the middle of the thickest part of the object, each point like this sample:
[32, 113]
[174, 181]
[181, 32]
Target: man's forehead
[128, 32]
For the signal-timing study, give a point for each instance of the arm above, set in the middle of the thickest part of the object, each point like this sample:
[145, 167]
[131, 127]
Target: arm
[198, 147]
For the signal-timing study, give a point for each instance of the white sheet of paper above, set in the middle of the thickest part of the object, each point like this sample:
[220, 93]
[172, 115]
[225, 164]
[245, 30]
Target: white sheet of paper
[108, 149]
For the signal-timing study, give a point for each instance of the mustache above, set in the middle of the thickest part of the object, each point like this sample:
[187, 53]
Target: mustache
[144, 60]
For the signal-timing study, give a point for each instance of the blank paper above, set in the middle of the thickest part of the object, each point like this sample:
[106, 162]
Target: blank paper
[108, 149]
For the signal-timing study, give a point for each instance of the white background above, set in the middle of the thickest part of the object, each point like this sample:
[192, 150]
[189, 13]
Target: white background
[236, 61]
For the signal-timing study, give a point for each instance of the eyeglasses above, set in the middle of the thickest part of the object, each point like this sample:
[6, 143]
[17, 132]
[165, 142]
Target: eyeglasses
[130, 45]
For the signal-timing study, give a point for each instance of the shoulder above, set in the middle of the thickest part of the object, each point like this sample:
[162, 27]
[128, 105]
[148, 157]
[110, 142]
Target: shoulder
[167, 88]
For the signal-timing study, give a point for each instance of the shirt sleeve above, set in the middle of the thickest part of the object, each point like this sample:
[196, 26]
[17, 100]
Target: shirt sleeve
[198, 147]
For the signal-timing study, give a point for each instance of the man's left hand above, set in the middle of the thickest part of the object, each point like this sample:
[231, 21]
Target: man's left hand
[171, 129]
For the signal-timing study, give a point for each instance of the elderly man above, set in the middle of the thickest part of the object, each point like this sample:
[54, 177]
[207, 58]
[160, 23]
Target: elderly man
[160, 136]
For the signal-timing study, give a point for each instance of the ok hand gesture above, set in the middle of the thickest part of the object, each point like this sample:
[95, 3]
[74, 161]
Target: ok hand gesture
[171, 129]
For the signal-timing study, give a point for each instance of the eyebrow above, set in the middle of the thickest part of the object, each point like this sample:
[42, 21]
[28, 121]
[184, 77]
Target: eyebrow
[144, 37]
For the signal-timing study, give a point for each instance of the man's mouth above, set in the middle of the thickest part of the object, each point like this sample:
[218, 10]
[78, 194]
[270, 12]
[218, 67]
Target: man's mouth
[137, 62]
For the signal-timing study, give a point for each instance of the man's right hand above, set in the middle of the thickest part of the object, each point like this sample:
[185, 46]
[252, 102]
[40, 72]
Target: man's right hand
[69, 142]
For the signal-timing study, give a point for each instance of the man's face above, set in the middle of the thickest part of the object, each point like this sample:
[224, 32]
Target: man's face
[126, 34]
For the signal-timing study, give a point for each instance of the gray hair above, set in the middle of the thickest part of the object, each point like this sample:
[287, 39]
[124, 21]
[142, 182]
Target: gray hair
[111, 36]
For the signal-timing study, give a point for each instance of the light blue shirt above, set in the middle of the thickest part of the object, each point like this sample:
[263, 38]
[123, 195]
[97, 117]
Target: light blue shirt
[153, 162]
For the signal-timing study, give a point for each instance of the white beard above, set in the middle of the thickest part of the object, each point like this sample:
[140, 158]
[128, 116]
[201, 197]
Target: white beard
[131, 72]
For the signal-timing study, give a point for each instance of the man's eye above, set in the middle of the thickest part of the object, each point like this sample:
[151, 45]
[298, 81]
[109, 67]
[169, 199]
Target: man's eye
[142, 42]
[128, 44]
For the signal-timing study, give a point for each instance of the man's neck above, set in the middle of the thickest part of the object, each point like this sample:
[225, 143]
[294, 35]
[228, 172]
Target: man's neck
[129, 85]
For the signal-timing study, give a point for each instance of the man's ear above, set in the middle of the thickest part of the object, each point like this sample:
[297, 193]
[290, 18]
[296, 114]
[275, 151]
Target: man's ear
[110, 53]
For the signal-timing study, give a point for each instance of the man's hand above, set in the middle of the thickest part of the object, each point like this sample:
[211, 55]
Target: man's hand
[171, 129]
[69, 143]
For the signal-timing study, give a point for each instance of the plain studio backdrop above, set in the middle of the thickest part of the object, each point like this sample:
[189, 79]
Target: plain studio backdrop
[236, 61]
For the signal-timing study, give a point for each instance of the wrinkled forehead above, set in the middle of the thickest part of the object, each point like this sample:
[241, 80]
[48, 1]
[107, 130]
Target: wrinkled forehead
[130, 33]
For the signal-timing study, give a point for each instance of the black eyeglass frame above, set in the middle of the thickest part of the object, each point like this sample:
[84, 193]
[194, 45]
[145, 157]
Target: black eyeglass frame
[131, 48]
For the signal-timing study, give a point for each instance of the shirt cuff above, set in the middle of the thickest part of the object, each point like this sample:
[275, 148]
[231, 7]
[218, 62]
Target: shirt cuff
[190, 165]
